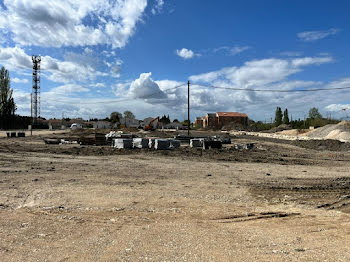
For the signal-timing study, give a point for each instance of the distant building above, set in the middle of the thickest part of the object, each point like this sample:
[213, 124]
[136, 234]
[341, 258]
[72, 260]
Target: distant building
[229, 118]
[198, 122]
[130, 122]
[102, 124]
[222, 119]
[210, 120]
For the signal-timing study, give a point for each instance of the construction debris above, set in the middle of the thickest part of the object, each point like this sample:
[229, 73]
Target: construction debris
[52, 141]
[244, 146]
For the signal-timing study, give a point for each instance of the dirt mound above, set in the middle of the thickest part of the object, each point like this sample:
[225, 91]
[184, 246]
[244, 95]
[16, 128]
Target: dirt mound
[279, 128]
[328, 144]
[340, 131]
[293, 132]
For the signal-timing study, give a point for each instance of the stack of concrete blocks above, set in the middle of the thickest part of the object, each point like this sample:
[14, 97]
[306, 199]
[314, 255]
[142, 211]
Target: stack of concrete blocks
[11, 134]
[15, 134]
[123, 143]
[174, 143]
[197, 142]
[140, 143]
[161, 144]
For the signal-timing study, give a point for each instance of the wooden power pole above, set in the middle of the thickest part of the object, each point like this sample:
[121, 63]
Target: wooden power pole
[188, 108]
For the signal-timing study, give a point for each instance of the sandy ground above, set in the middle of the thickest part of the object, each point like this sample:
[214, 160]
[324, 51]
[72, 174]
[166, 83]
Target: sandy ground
[277, 202]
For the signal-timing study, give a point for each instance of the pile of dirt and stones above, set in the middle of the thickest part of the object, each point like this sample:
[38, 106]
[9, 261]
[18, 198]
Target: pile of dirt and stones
[340, 131]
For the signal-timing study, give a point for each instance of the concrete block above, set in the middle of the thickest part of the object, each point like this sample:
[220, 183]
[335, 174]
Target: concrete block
[140, 143]
[161, 144]
[197, 142]
[123, 143]
[174, 143]
[216, 144]
[21, 134]
[151, 142]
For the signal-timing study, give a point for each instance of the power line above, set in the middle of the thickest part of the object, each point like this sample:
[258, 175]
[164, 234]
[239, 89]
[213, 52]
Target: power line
[275, 90]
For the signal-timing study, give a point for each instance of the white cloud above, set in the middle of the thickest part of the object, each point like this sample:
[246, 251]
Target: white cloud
[158, 7]
[305, 61]
[338, 107]
[76, 68]
[309, 36]
[235, 50]
[238, 49]
[19, 81]
[186, 53]
[145, 87]
[67, 89]
[291, 53]
[53, 23]
[269, 73]
[259, 72]
[98, 85]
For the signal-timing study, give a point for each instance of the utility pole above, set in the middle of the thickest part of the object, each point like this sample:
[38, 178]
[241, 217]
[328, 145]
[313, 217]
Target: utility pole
[31, 114]
[188, 109]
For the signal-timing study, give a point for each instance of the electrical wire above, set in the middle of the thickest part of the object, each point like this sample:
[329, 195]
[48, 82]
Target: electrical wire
[275, 90]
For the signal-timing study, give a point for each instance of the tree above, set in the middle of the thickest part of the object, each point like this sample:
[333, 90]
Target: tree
[278, 116]
[176, 120]
[314, 113]
[165, 119]
[128, 114]
[285, 117]
[7, 104]
[116, 117]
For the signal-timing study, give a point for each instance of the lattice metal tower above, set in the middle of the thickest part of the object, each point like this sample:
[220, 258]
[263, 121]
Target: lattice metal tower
[35, 107]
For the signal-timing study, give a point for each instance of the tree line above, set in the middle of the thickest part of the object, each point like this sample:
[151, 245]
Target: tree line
[8, 107]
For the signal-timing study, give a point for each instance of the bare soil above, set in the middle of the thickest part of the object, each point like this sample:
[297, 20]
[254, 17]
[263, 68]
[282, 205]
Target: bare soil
[281, 201]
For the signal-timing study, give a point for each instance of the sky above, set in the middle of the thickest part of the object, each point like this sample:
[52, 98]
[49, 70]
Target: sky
[101, 56]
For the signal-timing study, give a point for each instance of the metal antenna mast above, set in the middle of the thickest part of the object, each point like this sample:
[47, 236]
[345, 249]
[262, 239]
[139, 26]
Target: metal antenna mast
[35, 108]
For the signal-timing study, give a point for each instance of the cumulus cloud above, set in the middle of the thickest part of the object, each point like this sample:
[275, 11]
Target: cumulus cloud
[53, 23]
[309, 36]
[144, 87]
[186, 53]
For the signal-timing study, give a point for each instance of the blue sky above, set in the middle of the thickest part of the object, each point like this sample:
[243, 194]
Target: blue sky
[100, 56]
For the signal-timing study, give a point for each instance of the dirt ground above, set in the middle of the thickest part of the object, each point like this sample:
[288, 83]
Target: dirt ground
[281, 201]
